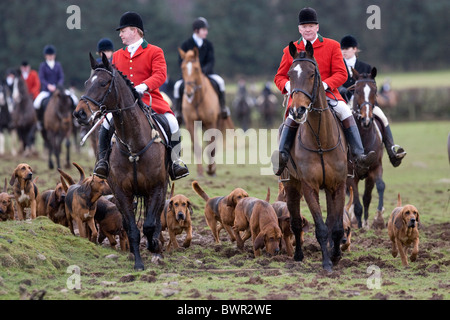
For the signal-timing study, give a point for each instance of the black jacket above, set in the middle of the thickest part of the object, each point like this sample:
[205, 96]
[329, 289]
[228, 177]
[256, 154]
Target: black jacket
[206, 54]
[361, 67]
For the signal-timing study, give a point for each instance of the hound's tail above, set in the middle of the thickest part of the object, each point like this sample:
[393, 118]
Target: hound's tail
[66, 176]
[268, 195]
[199, 190]
[399, 201]
[81, 171]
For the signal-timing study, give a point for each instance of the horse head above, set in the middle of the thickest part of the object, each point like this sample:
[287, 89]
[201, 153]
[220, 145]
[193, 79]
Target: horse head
[97, 93]
[305, 82]
[62, 103]
[192, 72]
[365, 95]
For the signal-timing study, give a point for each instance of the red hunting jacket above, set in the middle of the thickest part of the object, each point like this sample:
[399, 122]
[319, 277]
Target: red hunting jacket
[148, 66]
[330, 62]
[33, 83]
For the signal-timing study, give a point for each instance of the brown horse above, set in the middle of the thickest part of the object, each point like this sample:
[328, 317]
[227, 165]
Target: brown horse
[58, 125]
[319, 158]
[370, 129]
[24, 119]
[138, 161]
[200, 103]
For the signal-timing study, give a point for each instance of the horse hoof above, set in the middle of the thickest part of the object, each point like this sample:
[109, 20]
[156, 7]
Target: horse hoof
[139, 267]
[157, 259]
[298, 256]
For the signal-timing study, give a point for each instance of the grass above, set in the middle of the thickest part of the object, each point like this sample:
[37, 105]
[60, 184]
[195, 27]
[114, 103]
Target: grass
[35, 255]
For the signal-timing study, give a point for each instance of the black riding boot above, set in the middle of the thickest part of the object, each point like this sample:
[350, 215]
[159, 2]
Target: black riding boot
[224, 111]
[101, 168]
[395, 156]
[176, 170]
[362, 161]
[280, 157]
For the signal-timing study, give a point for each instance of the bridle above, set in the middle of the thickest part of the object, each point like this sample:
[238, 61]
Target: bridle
[311, 96]
[368, 103]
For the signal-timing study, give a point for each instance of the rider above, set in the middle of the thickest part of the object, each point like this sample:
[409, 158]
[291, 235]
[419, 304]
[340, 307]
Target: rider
[51, 75]
[145, 65]
[349, 47]
[31, 78]
[206, 56]
[333, 73]
[105, 46]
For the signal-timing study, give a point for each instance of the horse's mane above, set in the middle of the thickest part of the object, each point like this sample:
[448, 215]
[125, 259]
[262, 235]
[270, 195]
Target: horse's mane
[128, 82]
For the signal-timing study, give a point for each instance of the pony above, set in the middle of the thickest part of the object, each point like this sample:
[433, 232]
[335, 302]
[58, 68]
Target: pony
[58, 125]
[200, 103]
[138, 160]
[370, 129]
[318, 158]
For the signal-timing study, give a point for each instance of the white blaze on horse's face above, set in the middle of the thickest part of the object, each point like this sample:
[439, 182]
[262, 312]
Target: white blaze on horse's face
[366, 99]
[299, 70]
[189, 68]
[93, 79]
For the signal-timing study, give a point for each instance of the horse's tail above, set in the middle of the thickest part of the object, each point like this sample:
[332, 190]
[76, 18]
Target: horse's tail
[67, 177]
[268, 195]
[199, 190]
[399, 200]
[350, 199]
[81, 171]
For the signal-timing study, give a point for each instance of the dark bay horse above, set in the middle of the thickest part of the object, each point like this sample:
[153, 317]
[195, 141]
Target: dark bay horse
[319, 158]
[138, 161]
[200, 103]
[370, 129]
[58, 126]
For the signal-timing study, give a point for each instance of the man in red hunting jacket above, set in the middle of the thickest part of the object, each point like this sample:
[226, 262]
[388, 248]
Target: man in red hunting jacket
[333, 73]
[144, 64]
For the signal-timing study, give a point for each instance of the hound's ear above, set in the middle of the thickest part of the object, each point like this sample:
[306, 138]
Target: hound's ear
[305, 225]
[93, 62]
[259, 241]
[309, 48]
[398, 222]
[13, 178]
[170, 206]
[373, 72]
[230, 201]
[292, 49]
[189, 206]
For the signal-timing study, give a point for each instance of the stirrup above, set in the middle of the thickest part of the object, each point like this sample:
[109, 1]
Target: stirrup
[105, 168]
[171, 170]
[399, 153]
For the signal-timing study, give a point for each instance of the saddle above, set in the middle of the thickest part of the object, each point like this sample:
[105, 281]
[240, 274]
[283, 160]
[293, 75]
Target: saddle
[163, 124]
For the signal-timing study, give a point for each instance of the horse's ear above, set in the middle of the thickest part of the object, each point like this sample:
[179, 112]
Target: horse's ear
[182, 53]
[93, 62]
[373, 72]
[309, 48]
[292, 49]
[355, 74]
[196, 52]
[105, 61]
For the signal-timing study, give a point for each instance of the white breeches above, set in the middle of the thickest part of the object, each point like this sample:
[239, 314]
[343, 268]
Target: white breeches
[380, 114]
[173, 123]
[45, 94]
[341, 108]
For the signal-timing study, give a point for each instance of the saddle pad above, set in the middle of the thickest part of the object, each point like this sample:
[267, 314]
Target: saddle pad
[163, 124]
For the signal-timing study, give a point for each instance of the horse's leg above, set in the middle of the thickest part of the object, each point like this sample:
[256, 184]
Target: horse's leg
[51, 150]
[196, 147]
[68, 143]
[357, 209]
[367, 198]
[293, 196]
[312, 199]
[125, 205]
[380, 185]
[152, 224]
[335, 211]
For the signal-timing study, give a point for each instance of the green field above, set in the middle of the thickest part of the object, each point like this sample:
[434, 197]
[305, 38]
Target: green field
[36, 256]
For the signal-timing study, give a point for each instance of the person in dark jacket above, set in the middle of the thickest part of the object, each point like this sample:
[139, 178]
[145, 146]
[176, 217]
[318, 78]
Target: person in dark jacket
[206, 57]
[349, 48]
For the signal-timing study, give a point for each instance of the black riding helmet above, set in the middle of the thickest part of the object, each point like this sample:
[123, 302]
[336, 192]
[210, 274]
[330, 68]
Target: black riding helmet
[199, 23]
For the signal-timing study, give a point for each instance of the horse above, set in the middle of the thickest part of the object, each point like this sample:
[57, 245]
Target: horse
[200, 103]
[138, 160]
[24, 118]
[58, 125]
[6, 108]
[242, 105]
[267, 104]
[318, 158]
[370, 129]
